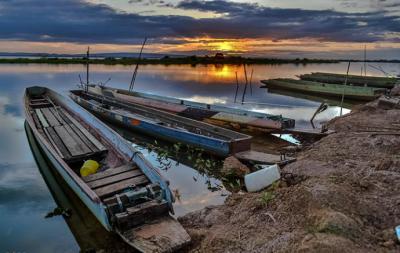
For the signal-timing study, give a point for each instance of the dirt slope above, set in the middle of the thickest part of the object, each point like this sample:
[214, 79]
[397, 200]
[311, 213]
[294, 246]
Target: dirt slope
[342, 195]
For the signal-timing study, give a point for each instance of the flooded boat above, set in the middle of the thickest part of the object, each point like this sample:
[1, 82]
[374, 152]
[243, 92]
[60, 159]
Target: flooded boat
[369, 81]
[167, 126]
[335, 90]
[214, 114]
[126, 193]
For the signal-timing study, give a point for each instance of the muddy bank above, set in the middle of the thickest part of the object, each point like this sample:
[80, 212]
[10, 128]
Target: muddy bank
[341, 195]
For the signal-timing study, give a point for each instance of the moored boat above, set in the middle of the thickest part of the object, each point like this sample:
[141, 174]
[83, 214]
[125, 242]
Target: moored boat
[369, 81]
[335, 90]
[164, 125]
[126, 193]
[220, 115]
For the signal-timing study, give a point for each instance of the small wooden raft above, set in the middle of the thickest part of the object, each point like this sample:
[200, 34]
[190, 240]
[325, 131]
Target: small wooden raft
[264, 158]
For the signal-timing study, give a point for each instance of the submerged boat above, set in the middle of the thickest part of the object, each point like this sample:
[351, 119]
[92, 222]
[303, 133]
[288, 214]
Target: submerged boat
[369, 81]
[126, 194]
[237, 119]
[335, 90]
[164, 125]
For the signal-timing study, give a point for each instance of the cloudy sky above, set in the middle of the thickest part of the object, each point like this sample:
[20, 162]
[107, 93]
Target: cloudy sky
[282, 28]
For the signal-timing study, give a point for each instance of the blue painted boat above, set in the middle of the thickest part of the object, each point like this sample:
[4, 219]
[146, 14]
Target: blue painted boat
[215, 114]
[165, 125]
[127, 195]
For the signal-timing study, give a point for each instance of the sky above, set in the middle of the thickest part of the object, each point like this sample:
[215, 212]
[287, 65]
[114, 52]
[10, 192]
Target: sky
[266, 28]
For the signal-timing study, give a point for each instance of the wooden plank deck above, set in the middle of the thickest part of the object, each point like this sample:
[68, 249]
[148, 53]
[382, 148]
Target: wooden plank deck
[98, 144]
[109, 172]
[264, 158]
[42, 119]
[53, 121]
[117, 187]
[114, 179]
[74, 145]
[57, 143]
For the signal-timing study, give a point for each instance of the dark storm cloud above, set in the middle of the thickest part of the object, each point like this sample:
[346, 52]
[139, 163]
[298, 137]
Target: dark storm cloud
[82, 22]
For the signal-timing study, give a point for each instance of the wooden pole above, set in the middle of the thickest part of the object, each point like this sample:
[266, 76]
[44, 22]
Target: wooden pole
[251, 78]
[137, 66]
[365, 60]
[237, 86]
[245, 86]
[344, 86]
[87, 69]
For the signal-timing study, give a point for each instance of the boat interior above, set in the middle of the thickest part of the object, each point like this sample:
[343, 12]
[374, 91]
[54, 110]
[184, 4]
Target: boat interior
[161, 118]
[120, 184]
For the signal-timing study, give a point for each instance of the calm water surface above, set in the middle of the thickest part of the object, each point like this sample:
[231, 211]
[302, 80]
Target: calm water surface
[24, 197]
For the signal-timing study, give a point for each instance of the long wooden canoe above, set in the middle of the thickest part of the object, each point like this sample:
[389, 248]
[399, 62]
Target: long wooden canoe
[369, 81]
[213, 114]
[88, 232]
[127, 195]
[164, 125]
[335, 90]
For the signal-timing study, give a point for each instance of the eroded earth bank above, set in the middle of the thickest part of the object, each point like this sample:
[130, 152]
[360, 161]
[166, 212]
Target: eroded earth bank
[341, 195]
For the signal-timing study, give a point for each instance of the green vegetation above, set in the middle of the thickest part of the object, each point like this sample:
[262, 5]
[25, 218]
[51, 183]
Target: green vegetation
[269, 194]
[166, 60]
[204, 163]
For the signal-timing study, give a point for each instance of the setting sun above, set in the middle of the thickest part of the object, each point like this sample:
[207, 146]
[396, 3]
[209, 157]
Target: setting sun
[225, 46]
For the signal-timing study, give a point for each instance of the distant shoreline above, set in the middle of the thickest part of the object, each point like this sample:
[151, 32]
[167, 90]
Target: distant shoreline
[193, 60]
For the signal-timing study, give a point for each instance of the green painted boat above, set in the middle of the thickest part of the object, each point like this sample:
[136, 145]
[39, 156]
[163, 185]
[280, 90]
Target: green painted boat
[369, 81]
[334, 90]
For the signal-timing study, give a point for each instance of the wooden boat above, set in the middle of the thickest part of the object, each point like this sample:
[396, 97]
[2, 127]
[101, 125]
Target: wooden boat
[164, 125]
[333, 101]
[369, 81]
[335, 90]
[127, 195]
[89, 234]
[214, 114]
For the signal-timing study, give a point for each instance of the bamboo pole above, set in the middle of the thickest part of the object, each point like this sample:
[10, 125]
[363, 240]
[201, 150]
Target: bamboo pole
[87, 69]
[344, 86]
[245, 86]
[251, 78]
[237, 86]
[137, 66]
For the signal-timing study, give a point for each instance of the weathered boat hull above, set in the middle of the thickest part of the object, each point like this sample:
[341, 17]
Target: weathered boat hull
[370, 81]
[231, 143]
[199, 111]
[88, 232]
[335, 90]
[81, 188]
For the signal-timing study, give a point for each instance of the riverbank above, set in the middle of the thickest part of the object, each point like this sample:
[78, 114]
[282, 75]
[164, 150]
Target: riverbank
[341, 195]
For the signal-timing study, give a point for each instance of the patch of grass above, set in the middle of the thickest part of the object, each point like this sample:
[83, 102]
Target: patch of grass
[266, 197]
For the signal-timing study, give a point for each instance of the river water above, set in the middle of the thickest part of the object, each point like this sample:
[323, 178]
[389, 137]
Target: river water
[24, 196]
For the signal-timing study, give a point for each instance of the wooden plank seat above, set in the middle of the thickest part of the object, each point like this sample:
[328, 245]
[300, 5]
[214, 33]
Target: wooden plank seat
[114, 180]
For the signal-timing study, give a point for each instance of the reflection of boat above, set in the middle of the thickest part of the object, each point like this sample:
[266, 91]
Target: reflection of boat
[370, 81]
[127, 195]
[165, 125]
[214, 114]
[347, 103]
[87, 231]
[335, 90]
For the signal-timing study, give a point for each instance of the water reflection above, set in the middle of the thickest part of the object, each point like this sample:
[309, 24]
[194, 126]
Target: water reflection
[88, 232]
[194, 189]
[24, 197]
